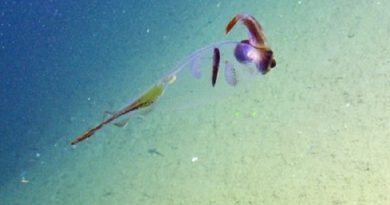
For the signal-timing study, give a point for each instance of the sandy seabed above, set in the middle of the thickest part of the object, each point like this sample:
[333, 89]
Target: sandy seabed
[315, 130]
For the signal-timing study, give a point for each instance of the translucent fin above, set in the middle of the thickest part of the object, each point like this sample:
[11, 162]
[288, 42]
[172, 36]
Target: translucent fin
[230, 74]
[107, 114]
[195, 67]
[122, 123]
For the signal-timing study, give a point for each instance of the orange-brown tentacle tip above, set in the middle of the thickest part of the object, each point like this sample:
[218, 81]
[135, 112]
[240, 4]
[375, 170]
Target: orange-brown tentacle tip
[232, 23]
[256, 35]
[74, 142]
[82, 137]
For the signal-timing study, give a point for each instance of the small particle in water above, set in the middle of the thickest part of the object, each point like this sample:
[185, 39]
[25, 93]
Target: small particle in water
[147, 30]
[37, 154]
[253, 114]
[109, 193]
[24, 180]
[154, 151]
[194, 159]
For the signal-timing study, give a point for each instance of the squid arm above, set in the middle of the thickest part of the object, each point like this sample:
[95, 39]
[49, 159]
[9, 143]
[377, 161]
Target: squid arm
[145, 100]
[256, 34]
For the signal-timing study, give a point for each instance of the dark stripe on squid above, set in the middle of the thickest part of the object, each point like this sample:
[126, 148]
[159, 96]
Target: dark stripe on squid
[216, 60]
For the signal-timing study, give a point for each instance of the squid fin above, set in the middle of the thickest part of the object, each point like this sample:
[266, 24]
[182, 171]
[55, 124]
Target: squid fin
[107, 114]
[122, 123]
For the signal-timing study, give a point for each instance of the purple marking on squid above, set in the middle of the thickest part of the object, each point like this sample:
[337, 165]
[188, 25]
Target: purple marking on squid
[245, 53]
[216, 60]
[263, 59]
[230, 74]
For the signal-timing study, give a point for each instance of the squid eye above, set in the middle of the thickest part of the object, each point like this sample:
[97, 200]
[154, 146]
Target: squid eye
[266, 62]
[273, 63]
[245, 53]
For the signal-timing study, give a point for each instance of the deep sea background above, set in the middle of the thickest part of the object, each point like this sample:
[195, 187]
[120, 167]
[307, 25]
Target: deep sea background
[314, 130]
[54, 52]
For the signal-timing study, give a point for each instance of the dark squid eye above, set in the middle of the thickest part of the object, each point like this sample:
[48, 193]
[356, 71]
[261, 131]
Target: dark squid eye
[273, 63]
[265, 62]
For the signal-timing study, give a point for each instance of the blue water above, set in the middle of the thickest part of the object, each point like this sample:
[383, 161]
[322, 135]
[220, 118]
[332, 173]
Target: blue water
[314, 130]
[55, 55]
[51, 53]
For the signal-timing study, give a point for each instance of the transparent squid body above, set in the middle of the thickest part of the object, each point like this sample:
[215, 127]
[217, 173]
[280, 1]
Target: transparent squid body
[240, 60]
